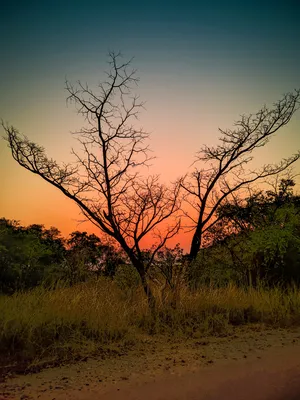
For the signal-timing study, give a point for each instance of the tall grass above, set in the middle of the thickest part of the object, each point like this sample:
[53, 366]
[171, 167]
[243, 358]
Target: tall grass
[215, 311]
[63, 321]
[69, 322]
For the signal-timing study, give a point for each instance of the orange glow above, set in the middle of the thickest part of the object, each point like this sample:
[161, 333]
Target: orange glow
[179, 129]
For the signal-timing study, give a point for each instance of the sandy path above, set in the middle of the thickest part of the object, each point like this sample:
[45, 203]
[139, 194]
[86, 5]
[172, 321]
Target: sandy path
[262, 365]
[275, 377]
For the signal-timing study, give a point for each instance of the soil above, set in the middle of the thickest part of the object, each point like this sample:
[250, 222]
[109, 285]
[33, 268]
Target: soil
[252, 363]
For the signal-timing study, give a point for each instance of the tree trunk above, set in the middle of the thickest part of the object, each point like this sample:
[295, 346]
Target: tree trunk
[149, 294]
[139, 266]
[196, 244]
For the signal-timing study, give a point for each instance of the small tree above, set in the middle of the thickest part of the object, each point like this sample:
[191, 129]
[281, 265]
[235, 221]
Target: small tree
[171, 272]
[83, 253]
[226, 174]
[106, 181]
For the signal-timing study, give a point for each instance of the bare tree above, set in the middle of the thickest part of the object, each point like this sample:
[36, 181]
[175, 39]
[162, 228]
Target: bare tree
[105, 180]
[224, 172]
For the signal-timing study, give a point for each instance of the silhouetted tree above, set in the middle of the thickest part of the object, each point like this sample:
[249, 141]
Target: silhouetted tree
[83, 252]
[171, 268]
[106, 181]
[225, 174]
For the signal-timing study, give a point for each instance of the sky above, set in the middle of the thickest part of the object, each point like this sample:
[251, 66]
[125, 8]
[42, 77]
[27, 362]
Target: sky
[201, 65]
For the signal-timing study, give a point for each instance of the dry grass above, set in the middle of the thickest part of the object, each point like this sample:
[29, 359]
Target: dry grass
[77, 321]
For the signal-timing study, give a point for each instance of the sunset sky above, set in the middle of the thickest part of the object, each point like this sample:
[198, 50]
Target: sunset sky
[201, 65]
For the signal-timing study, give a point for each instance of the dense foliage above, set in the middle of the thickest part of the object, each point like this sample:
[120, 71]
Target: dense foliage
[255, 241]
[32, 255]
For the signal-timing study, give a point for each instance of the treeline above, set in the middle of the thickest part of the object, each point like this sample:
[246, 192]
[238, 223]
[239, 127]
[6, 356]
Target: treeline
[32, 255]
[254, 241]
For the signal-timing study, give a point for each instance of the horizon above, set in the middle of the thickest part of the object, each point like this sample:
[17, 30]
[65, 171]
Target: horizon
[200, 68]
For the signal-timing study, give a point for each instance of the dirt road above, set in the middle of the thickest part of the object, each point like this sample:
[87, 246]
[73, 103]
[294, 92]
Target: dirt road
[275, 377]
[262, 365]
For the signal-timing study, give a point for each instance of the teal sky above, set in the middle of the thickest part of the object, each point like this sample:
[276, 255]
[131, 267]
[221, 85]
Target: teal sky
[48, 39]
[201, 65]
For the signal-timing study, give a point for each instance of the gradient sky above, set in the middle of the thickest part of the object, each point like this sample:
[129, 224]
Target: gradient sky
[201, 65]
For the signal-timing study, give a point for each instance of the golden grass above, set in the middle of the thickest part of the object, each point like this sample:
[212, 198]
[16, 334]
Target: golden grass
[67, 322]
